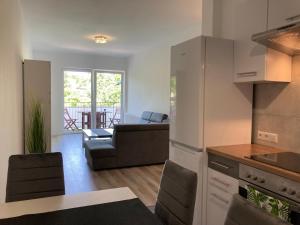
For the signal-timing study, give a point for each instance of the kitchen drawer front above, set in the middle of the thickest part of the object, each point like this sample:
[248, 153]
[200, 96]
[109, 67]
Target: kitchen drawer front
[216, 212]
[218, 203]
[219, 199]
[220, 189]
[223, 165]
[222, 182]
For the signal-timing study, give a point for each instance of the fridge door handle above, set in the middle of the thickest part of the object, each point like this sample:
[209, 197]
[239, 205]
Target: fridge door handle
[185, 146]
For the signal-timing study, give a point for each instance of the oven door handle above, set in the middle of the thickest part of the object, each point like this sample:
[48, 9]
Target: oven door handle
[243, 184]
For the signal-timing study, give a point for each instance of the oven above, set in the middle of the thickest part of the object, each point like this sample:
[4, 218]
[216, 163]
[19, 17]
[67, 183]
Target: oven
[278, 195]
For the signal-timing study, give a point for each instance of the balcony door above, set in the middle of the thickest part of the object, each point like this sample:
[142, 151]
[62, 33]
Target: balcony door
[108, 99]
[92, 99]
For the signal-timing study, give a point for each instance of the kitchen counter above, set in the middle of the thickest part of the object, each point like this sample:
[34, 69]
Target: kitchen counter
[239, 152]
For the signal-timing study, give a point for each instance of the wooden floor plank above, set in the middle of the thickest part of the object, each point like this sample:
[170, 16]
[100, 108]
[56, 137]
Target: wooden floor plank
[143, 181]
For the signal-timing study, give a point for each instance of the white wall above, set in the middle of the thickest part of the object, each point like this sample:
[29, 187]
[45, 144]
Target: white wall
[63, 60]
[148, 80]
[11, 106]
[218, 19]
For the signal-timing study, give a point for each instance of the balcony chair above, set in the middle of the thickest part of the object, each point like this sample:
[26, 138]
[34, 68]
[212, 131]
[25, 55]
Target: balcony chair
[70, 123]
[115, 119]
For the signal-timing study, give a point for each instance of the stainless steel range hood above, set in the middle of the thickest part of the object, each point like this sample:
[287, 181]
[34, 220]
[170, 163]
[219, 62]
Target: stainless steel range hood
[284, 39]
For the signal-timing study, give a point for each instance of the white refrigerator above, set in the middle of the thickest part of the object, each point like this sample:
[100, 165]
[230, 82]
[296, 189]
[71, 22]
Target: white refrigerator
[207, 108]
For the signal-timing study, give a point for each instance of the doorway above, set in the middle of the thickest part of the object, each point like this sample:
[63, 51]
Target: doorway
[92, 99]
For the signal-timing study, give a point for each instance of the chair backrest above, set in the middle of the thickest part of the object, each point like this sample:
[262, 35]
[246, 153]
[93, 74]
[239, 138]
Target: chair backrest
[67, 114]
[177, 195]
[34, 176]
[101, 119]
[243, 212]
[117, 113]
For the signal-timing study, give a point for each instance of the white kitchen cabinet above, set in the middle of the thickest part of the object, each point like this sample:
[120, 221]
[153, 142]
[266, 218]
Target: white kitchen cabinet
[254, 62]
[283, 12]
[220, 189]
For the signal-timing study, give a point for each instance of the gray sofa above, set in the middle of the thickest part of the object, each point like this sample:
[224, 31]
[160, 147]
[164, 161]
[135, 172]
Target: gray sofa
[131, 145]
[153, 117]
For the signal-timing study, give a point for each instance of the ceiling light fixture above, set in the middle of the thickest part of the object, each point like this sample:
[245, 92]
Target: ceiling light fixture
[101, 39]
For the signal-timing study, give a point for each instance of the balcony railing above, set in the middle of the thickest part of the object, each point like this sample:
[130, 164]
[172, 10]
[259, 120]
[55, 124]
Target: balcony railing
[77, 115]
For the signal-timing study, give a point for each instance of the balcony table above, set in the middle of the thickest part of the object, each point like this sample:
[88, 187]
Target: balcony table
[109, 207]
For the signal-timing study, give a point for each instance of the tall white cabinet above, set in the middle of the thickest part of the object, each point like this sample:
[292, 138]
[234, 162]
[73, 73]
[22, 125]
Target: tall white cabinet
[186, 116]
[37, 87]
[207, 108]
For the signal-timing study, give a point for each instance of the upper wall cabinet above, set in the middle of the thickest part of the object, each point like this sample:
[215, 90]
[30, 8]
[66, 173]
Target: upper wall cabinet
[249, 56]
[283, 12]
[254, 62]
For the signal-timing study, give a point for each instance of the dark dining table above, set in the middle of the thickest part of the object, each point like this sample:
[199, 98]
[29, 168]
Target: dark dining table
[117, 206]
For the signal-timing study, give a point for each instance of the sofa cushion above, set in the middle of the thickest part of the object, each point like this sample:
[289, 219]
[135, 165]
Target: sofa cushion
[142, 121]
[158, 117]
[146, 115]
[100, 148]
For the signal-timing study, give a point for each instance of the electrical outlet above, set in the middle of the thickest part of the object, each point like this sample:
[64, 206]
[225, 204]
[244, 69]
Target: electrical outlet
[266, 136]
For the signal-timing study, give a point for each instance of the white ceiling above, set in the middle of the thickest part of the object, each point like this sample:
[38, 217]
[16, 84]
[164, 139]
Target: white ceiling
[134, 25]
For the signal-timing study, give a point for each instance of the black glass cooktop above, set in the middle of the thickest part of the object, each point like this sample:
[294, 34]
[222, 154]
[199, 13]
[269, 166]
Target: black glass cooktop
[285, 160]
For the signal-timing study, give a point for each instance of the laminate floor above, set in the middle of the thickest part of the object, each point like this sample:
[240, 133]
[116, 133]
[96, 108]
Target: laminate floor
[143, 181]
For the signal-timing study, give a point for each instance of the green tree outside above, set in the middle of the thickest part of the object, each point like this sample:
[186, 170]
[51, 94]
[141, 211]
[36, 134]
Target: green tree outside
[109, 88]
[77, 89]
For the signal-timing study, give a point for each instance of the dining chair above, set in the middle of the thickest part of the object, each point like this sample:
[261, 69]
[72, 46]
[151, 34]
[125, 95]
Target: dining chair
[34, 176]
[101, 119]
[243, 212]
[177, 194]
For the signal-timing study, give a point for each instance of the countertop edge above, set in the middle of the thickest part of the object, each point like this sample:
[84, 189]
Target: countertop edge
[249, 162]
